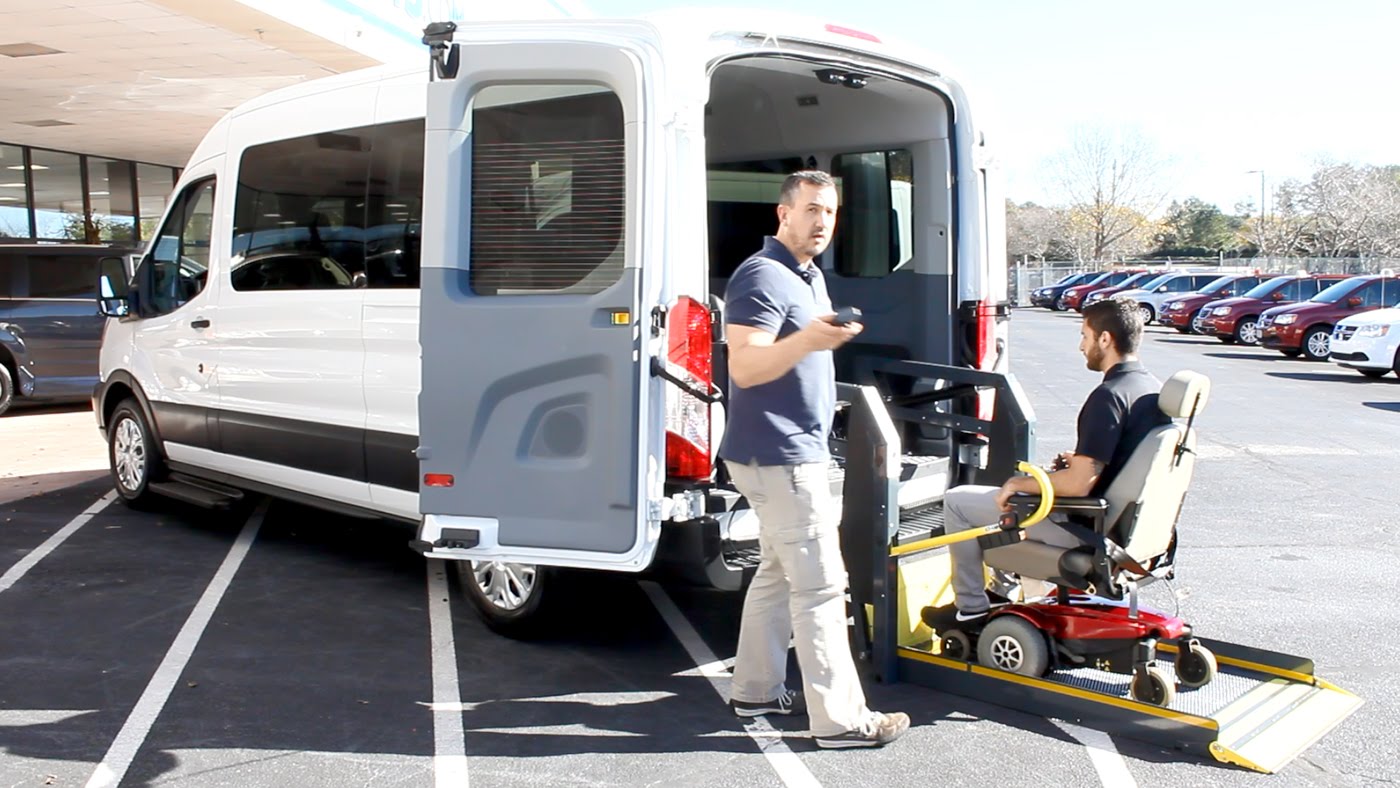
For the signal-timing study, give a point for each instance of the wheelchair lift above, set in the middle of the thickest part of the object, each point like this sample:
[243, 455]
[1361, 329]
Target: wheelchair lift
[1261, 710]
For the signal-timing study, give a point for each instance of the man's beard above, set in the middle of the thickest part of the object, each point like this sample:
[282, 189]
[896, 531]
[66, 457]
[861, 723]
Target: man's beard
[1093, 358]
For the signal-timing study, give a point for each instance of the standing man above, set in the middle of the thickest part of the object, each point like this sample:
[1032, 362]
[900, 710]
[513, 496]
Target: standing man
[1112, 422]
[782, 399]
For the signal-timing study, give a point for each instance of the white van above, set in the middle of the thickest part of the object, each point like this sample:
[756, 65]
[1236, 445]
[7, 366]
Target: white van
[488, 303]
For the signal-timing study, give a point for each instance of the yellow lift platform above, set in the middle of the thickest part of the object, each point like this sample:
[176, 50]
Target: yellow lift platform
[1260, 711]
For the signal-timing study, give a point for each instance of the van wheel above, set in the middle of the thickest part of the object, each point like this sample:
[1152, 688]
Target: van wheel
[1147, 313]
[1374, 374]
[135, 459]
[1317, 343]
[510, 598]
[1247, 331]
[7, 389]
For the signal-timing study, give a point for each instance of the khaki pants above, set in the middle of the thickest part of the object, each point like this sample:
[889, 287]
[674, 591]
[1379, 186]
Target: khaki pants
[798, 594]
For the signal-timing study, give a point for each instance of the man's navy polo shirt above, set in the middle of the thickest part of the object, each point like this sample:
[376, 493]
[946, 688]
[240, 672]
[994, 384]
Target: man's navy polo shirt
[1116, 417]
[786, 421]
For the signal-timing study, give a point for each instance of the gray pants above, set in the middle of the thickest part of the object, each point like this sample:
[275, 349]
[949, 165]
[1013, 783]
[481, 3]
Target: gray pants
[972, 506]
[798, 594]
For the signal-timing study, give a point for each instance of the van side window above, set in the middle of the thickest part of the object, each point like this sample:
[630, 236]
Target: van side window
[63, 276]
[1292, 289]
[8, 264]
[548, 192]
[179, 253]
[874, 227]
[394, 206]
[1370, 295]
[1390, 292]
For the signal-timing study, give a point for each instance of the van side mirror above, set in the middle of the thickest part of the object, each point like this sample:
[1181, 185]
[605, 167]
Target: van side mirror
[113, 285]
[1162, 289]
[1354, 302]
[1277, 296]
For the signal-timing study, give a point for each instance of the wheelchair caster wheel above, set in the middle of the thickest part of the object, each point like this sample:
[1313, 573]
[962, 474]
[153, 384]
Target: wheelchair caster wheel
[1150, 685]
[956, 645]
[1196, 666]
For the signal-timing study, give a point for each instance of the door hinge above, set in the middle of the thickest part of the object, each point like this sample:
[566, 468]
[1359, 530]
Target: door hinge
[682, 506]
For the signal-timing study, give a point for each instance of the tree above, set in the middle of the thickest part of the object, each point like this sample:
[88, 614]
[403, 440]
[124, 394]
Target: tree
[1113, 182]
[1033, 230]
[1195, 226]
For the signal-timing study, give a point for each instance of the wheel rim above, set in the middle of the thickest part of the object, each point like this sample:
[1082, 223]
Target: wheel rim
[1007, 653]
[129, 454]
[1249, 332]
[505, 586]
[1198, 325]
[1319, 344]
[1146, 313]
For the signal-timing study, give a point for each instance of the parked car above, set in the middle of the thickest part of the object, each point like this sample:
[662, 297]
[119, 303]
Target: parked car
[1369, 343]
[1184, 313]
[50, 329]
[1156, 292]
[1073, 297]
[1232, 320]
[1131, 283]
[1306, 327]
[1049, 295]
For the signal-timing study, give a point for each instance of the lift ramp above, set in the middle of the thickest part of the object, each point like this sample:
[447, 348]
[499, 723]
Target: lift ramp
[1263, 708]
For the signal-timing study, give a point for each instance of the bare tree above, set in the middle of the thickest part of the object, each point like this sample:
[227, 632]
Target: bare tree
[1113, 183]
[1033, 230]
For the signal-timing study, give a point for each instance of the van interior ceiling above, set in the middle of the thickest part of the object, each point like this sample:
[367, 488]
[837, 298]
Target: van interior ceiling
[887, 144]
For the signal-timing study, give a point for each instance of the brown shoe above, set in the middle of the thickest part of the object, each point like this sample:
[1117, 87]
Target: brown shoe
[879, 730]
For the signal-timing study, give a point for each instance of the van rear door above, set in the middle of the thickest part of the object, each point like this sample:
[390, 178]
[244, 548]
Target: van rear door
[532, 328]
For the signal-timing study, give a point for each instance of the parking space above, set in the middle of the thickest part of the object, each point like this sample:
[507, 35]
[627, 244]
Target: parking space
[287, 646]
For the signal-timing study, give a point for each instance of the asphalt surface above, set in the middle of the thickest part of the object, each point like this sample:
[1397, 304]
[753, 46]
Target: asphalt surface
[316, 666]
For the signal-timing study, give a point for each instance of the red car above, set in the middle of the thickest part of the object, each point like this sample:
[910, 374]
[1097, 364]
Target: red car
[1138, 279]
[1074, 296]
[1306, 327]
[1232, 320]
[1183, 313]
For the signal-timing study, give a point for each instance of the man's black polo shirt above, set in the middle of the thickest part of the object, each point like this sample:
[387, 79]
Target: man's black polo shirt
[1116, 417]
[786, 421]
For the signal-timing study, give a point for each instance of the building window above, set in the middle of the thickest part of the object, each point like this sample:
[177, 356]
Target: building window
[111, 197]
[153, 187]
[14, 193]
[58, 195]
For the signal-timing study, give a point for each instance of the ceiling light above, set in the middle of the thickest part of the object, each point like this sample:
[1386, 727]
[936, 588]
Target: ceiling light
[21, 166]
[273, 215]
[27, 49]
[9, 199]
[99, 194]
[12, 185]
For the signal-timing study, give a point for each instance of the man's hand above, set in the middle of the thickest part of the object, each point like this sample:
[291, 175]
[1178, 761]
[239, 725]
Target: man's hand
[1004, 497]
[823, 334]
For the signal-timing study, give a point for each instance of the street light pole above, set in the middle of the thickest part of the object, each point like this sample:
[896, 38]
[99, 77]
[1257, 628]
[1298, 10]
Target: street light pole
[1262, 209]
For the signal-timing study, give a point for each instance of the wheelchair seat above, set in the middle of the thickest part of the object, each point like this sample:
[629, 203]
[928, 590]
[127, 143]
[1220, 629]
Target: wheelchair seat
[1132, 541]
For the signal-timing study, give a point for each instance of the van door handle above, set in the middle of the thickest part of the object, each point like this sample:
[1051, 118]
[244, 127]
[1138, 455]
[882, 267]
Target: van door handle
[199, 322]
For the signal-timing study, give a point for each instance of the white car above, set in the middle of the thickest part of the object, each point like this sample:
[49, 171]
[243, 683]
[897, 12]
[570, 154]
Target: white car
[1369, 343]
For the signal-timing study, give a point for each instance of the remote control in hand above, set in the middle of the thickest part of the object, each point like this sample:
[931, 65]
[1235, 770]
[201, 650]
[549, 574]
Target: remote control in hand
[846, 315]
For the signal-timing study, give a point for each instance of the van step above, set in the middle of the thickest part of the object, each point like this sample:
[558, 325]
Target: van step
[922, 480]
[199, 492]
[741, 555]
[923, 523]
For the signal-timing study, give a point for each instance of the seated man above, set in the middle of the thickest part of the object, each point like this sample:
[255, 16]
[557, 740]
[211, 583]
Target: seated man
[1113, 421]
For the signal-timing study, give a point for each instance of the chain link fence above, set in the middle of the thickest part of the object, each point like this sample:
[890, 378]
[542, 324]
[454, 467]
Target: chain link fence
[1027, 275]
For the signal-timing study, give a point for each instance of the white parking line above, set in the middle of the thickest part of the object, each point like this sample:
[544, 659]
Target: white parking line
[1112, 769]
[39, 553]
[449, 741]
[138, 724]
[790, 768]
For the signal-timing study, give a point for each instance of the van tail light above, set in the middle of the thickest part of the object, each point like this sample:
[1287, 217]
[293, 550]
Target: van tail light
[986, 355]
[688, 353]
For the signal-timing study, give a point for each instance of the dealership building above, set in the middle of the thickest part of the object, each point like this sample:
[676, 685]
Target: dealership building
[102, 101]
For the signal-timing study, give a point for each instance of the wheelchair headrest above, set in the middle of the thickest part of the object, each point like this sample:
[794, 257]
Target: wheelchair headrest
[1179, 397]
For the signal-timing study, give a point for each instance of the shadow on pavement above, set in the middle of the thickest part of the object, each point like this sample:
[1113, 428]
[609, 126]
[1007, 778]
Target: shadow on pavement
[1393, 407]
[1327, 377]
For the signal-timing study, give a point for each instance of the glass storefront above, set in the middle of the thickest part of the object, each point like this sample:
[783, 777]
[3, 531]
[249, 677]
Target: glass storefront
[48, 195]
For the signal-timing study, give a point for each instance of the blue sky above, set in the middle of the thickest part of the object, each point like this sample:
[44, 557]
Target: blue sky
[1219, 87]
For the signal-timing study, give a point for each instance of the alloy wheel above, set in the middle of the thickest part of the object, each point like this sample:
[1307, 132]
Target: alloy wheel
[1007, 653]
[1249, 332]
[506, 586]
[129, 455]
[1319, 344]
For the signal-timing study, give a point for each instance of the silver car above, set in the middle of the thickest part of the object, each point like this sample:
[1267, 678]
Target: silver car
[1156, 292]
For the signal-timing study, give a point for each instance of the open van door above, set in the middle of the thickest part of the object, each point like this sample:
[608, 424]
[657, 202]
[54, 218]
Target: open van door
[533, 401]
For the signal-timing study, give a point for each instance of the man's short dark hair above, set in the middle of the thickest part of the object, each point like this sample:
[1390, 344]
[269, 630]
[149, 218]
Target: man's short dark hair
[794, 182]
[1120, 318]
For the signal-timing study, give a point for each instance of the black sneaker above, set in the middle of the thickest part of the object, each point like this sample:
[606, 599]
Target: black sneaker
[879, 731]
[787, 703]
[942, 619]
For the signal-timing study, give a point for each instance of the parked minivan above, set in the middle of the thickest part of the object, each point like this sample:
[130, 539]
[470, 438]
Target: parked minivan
[50, 328]
[1170, 285]
[489, 303]
[1306, 327]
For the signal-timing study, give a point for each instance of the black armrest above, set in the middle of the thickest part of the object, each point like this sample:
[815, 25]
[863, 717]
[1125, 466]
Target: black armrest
[1080, 504]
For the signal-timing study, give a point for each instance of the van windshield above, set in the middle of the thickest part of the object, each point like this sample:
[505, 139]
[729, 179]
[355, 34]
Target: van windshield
[1340, 290]
[1215, 284]
[1153, 282]
[1137, 280]
[1265, 288]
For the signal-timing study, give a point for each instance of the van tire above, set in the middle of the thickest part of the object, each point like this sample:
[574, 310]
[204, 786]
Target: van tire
[521, 621]
[7, 389]
[1317, 343]
[130, 441]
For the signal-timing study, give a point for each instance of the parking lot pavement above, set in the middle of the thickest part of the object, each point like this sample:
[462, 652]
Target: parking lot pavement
[286, 646]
